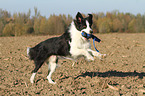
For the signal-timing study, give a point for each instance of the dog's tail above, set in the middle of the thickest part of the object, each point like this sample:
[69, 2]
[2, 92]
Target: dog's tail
[30, 53]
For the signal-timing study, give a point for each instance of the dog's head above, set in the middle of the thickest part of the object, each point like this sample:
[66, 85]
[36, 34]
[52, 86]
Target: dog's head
[84, 24]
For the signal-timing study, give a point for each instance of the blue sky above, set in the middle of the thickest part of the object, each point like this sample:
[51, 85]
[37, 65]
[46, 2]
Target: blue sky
[47, 7]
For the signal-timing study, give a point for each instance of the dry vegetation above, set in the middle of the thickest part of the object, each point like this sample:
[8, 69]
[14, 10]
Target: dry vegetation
[19, 24]
[121, 73]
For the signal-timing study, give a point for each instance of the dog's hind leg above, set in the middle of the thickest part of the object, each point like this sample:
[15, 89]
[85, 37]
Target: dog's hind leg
[32, 78]
[52, 67]
[37, 66]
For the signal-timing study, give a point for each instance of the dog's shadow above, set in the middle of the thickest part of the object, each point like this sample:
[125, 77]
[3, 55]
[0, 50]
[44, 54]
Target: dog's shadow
[112, 74]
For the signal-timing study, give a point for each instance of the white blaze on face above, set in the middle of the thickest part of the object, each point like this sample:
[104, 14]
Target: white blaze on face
[87, 29]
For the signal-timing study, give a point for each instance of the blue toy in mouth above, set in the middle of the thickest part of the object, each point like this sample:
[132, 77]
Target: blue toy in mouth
[88, 36]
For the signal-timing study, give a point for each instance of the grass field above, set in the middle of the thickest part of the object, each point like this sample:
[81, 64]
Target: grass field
[121, 73]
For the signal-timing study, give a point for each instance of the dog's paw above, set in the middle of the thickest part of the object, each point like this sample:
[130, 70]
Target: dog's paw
[32, 78]
[103, 56]
[32, 81]
[51, 82]
[90, 58]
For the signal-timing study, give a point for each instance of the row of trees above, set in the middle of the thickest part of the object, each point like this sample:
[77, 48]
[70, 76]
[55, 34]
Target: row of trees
[24, 24]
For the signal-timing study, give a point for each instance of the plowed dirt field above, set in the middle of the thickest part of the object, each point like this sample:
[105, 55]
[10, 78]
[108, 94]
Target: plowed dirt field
[122, 73]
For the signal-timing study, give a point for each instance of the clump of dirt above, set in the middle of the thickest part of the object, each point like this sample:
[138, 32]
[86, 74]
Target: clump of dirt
[121, 73]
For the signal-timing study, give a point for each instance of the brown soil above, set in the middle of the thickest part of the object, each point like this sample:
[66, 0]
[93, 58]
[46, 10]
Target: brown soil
[121, 73]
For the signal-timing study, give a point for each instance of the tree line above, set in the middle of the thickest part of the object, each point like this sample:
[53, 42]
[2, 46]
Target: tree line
[18, 24]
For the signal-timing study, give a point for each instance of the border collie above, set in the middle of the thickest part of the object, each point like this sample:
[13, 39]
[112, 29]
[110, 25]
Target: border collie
[70, 44]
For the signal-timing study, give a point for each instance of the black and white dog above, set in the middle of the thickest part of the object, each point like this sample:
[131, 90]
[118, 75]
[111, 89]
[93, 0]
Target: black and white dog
[70, 44]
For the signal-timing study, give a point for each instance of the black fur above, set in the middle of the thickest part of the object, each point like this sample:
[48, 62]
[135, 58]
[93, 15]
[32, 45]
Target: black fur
[53, 46]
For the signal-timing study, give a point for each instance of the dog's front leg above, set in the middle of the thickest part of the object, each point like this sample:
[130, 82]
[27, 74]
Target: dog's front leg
[97, 54]
[77, 52]
[89, 56]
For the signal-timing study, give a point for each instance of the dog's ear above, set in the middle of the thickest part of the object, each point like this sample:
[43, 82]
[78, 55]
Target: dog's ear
[79, 17]
[90, 16]
[90, 19]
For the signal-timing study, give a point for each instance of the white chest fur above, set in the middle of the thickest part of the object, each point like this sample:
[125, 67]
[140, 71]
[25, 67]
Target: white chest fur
[77, 41]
